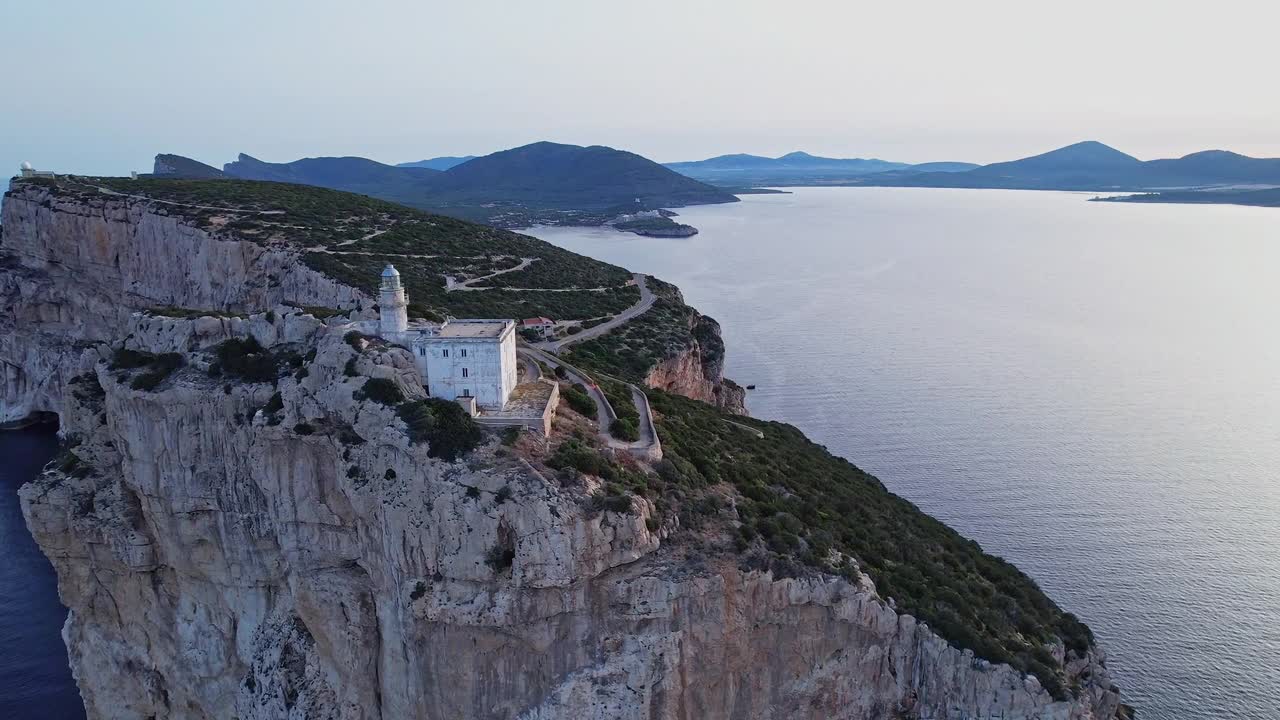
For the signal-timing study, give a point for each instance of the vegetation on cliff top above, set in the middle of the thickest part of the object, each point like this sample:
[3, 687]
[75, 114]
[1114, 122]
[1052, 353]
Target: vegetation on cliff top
[352, 237]
[635, 348]
[798, 502]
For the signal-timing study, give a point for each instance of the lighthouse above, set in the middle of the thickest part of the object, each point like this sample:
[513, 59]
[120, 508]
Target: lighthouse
[393, 314]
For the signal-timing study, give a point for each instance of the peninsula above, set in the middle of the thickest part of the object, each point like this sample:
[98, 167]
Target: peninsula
[276, 498]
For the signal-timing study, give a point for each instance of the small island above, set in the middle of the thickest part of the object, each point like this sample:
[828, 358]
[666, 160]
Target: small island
[1268, 197]
[653, 223]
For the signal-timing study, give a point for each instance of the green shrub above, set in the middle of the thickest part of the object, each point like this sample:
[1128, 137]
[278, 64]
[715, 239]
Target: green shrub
[246, 359]
[444, 426]
[350, 368]
[579, 400]
[511, 435]
[500, 557]
[380, 390]
[353, 338]
[126, 359]
[625, 429]
[159, 367]
[573, 454]
[274, 404]
[303, 428]
[503, 494]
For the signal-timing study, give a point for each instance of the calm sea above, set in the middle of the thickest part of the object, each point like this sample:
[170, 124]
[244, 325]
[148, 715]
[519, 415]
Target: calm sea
[1089, 390]
[35, 681]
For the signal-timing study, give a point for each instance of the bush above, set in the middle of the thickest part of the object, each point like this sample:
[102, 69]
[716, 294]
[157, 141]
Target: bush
[573, 454]
[618, 503]
[303, 428]
[158, 367]
[126, 359]
[246, 359]
[511, 435]
[444, 426]
[579, 400]
[503, 494]
[350, 368]
[274, 404]
[625, 429]
[380, 390]
[500, 557]
[353, 338]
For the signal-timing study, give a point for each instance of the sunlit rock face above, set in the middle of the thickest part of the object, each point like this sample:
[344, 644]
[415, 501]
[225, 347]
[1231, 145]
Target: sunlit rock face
[221, 561]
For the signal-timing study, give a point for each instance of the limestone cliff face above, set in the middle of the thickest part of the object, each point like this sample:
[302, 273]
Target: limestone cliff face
[72, 271]
[698, 370]
[221, 559]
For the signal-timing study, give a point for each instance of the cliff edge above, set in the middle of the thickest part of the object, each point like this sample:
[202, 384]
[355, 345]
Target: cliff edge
[240, 527]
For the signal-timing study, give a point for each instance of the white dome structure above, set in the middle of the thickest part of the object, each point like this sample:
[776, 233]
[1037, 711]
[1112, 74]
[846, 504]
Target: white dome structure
[390, 271]
[27, 166]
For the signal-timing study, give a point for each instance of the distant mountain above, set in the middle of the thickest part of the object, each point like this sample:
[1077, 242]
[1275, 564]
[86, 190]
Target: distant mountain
[176, 166]
[439, 163]
[1092, 165]
[796, 168]
[408, 186]
[542, 182]
[555, 175]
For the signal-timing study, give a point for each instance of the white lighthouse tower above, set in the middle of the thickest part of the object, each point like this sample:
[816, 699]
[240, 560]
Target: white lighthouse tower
[393, 313]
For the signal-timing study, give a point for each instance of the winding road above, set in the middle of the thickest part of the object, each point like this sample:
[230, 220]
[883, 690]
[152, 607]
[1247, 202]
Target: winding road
[647, 299]
[648, 446]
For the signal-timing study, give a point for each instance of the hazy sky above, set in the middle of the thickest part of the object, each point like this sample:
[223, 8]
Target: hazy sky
[100, 87]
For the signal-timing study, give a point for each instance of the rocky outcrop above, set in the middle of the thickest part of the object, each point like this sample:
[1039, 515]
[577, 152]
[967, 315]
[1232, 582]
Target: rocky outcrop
[697, 371]
[232, 549]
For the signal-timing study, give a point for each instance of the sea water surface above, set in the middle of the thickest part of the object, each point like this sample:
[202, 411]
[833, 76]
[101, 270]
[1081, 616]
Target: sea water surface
[1090, 390]
[35, 680]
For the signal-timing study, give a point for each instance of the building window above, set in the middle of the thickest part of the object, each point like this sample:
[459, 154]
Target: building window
[464, 372]
[444, 352]
[463, 351]
[466, 392]
[422, 350]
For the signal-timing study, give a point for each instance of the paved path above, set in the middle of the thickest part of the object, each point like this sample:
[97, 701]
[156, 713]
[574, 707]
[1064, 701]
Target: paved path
[646, 301]
[466, 284]
[529, 369]
[647, 446]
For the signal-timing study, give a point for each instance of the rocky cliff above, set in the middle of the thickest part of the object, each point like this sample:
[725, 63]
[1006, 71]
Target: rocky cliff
[697, 371]
[284, 549]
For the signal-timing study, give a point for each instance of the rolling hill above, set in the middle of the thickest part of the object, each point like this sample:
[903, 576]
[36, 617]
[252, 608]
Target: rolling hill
[1094, 166]
[438, 163]
[539, 183]
[796, 168]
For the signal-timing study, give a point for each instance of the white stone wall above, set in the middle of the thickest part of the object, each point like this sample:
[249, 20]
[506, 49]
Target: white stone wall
[484, 368]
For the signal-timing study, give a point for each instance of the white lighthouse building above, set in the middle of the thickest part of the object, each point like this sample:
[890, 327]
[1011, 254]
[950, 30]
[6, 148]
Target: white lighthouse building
[393, 315]
[458, 359]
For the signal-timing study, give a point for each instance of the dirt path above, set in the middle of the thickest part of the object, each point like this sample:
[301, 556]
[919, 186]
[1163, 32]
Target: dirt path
[646, 301]
[450, 285]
